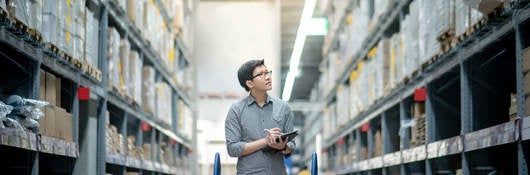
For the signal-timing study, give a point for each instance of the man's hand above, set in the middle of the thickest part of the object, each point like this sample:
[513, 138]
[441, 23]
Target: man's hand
[271, 139]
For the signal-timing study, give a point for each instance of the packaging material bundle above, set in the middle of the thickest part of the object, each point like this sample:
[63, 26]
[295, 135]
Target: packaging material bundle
[397, 57]
[148, 90]
[21, 113]
[34, 14]
[21, 10]
[113, 56]
[49, 28]
[358, 31]
[91, 47]
[79, 35]
[355, 105]
[61, 25]
[462, 13]
[135, 10]
[410, 39]
[135, 85]
[123, 65]
[164, 102]
[428, 33]
[343, 105]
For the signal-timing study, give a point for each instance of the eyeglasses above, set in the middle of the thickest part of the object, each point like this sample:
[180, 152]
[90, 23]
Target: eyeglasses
[262, 74]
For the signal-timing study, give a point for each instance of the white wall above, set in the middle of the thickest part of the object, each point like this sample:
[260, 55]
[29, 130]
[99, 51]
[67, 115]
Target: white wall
[226, 35]
[230, 33]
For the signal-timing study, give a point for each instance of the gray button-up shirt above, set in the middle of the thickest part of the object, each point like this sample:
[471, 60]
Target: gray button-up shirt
[245, 122]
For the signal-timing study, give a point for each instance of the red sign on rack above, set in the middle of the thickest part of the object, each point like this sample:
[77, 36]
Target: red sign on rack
[172, 142]
[420, 94]
[83, 93]
[145, 126]
[340, 141]
[365, 127]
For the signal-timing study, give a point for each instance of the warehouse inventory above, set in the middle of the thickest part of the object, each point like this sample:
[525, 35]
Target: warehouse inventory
[70, 68]
[432, 87]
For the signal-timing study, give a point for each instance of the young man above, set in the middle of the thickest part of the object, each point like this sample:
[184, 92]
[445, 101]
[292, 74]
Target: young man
[253, 123]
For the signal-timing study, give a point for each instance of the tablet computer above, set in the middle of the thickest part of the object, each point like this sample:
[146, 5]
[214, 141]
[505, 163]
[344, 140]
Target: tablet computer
[289, 135]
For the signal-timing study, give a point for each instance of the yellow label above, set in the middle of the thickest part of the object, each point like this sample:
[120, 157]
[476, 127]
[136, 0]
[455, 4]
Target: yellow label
[152, 2]
[360, 66]
[372, 52]
[67, 37]
[171, 56]
[68, 3]
[353, 76]
[349, 20]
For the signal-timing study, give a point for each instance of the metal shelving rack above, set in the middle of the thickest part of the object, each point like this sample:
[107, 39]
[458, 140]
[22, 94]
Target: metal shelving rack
[87, 152]
[466, 109]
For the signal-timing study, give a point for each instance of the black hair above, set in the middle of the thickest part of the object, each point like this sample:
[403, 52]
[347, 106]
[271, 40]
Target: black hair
[244, 72]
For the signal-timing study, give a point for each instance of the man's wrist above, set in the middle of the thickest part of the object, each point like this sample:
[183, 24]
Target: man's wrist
[286, 150]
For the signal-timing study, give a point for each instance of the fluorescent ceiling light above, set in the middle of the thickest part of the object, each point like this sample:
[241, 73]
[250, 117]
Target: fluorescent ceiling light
[317, 27]
[299, 42]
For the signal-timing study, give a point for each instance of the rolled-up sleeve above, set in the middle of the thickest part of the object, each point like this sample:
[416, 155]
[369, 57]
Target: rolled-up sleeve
[234, 143]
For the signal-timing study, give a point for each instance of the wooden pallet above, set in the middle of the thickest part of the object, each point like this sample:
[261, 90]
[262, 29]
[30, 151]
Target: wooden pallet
[51, 48]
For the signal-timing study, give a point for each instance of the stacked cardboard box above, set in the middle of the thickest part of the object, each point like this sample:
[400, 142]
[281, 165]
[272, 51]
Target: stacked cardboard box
[113, 56]
[148, 90]
[56, 121]
[378, 144]
[147, 151]
[164, 103]
[418, 131]
[124, 66]
[92, 39]
[132, 149]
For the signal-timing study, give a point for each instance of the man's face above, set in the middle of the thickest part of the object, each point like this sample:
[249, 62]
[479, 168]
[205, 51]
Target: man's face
[261, 79]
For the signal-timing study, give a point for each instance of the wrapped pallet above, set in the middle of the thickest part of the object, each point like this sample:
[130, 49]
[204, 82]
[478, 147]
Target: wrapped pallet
[36, 15]
[135, 11]
[354, 93]
[410, 39]
[427, 40]
[61, 25]
[135, 84]
[123, 65]
[397, 58]
[113, 55]
[148, 90]
[343, 104]
[164, 103]
[462, 20]
[92, 38]
[80, 29]
[21, 10]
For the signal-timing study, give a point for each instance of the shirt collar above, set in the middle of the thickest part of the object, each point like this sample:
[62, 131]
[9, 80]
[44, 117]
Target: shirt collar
[249, 100]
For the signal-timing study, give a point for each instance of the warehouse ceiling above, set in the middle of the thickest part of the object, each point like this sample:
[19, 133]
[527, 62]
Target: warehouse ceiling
[291, 11]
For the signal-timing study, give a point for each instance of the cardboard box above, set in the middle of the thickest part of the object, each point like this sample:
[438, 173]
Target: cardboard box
[42, 85]
[147, 151]
[418, 109]
[47, 123]
[63, 124]
[51, 92]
